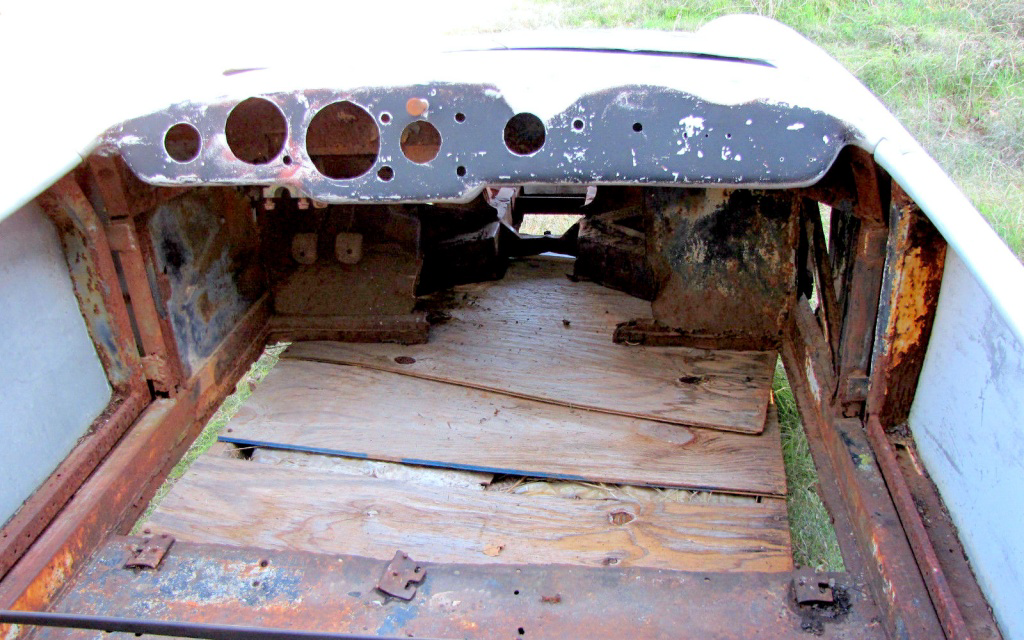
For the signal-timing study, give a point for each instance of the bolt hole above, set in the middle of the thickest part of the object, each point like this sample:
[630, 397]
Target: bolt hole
[286, 160]
[385, 117]
[691, 379]
[405, 360]
[460, 171]
[460, 117]
[264, 562]
[522, 631]
[516, 592]
[386, 173]
[255, 583]
[577, 124]
[728, 136]
[638, 127]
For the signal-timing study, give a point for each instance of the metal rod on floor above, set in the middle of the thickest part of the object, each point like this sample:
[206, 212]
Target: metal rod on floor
[167, 628]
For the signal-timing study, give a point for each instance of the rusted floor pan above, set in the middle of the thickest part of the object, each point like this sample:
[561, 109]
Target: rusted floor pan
[334, 593]
[364, 413]
[537, 335]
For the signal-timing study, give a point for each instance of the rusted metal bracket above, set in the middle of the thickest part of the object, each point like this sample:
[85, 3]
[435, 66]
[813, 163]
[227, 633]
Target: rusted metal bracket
[400, 575]
[149, 552]
[810, 588]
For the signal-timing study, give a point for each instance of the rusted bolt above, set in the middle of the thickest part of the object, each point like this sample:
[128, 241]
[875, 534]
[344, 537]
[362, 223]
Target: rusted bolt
[416, 106]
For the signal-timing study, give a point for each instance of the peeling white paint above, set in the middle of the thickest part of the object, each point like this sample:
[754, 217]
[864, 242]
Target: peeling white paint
[796, 126]
[726, 153]
[692, 124]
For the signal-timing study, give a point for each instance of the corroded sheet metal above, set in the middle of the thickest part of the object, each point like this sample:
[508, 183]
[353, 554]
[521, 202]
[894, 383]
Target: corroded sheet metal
[291, 590]
[627, 134]
[206, 265]
[726, 260]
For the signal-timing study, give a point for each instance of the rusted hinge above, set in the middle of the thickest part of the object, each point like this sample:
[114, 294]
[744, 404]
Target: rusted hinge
[149, 552]
[400, 575]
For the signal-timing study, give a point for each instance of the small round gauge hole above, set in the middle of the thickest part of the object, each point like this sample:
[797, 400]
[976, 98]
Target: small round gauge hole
[460, 171]
[577, 124]
[421, 141]
[460, 117]
[385, 117]
[638, 127]
[385, 173]
[182, 142]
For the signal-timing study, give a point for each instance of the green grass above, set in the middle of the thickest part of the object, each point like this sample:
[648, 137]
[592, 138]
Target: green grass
[952, 71]
[814, 540]
[224, 413]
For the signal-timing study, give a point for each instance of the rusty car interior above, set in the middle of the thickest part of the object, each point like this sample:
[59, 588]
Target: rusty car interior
[474, 431]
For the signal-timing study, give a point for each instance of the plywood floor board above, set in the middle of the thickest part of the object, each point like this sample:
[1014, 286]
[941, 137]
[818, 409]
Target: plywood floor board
[241, 503]
[537, 335]
[365, 413]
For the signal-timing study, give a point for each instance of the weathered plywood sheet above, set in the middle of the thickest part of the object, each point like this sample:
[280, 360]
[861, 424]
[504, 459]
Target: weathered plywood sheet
[364, 413]
[537, 335]
[241, 503]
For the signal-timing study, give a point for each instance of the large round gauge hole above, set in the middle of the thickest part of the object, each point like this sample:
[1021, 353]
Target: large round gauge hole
[256, 131]
[343, 140]
[421, 141]
[182, 142]
[524, 134]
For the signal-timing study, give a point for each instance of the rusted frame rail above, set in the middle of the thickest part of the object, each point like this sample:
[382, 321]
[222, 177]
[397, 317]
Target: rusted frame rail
[95, 282]
[893, 272]
[107, 480]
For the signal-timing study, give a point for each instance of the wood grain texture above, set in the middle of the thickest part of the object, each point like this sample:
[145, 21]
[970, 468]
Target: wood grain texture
[364, 413]
[537, 335]
[240, 503]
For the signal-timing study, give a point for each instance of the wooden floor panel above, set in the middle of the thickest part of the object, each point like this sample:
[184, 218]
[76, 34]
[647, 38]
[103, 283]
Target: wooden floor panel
[242, 503]
[537, 335]
[364, 413]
